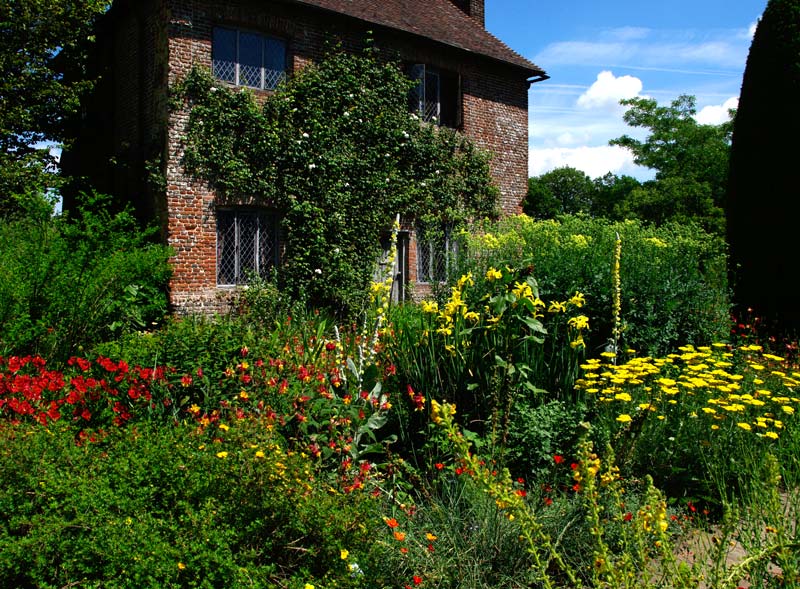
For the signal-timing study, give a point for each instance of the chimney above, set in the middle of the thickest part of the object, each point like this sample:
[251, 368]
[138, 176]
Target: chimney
[473, 8]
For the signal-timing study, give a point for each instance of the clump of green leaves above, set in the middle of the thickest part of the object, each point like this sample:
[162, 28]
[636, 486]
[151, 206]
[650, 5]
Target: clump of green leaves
[73, 281]
[336, 152]
[673, 279]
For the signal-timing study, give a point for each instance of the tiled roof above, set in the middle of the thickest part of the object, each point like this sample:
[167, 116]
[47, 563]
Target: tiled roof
[439, 20]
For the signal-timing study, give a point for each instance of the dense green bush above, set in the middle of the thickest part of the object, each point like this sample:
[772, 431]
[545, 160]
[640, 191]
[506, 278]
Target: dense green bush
[171, 506]
[71, 281]
[673, 278]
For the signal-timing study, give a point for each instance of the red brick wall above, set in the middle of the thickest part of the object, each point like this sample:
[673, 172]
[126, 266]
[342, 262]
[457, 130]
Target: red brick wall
[494, 115]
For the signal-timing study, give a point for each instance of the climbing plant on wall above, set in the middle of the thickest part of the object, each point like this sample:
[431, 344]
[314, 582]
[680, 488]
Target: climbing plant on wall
[336, 152]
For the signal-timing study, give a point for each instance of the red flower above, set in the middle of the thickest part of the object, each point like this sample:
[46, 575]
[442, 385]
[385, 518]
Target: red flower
[417, 580]
[439, 466]
[558, 459]
[628, 517]
[548, 501]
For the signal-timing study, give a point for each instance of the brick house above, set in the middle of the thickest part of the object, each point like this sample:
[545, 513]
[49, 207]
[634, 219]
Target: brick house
[468, 80]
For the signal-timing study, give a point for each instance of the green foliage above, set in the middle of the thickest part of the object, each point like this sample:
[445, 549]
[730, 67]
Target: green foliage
[701, 420]
[762, 196]
[674, 287]
[563, 191]
[690, 159]
[70, 282]
[540, 430]
[43, 50]
[286, 477]
[337, 154]
[171, 506]
[611, 194]
[493, 344]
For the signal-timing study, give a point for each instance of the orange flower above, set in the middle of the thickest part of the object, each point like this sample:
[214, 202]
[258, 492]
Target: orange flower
[391, 522]
[399, 536]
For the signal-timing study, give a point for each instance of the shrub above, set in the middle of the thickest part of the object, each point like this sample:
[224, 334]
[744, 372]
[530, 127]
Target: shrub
[673, 278]
[70, 282]
[171, 506]
[492, 344]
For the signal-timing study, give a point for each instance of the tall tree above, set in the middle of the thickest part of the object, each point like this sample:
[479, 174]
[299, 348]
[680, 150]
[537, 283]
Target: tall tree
[764, 193]
[682, 152]
[43, 50]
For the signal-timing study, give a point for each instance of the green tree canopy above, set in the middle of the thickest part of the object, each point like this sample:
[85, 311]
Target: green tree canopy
[611, 194]
[336, 151]
[690, 160]
[43, 60]
[764, 192]
[562, 191]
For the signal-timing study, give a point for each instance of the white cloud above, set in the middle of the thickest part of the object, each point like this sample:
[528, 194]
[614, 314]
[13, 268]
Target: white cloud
[594, 161]
[751, 30]
[608, 90]
[716, 114]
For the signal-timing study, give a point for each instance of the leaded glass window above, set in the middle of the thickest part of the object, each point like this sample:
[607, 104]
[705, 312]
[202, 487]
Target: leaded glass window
[248, 59]
[247, 245]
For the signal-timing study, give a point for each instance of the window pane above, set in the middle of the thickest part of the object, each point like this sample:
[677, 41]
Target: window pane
[226, 247]
[274, 62]
[224, 55]
[431, 96]
[248, 246]
[250, 56]
[267, 243]
[417, 94]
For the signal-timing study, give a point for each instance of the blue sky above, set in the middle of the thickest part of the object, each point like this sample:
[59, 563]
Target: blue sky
[599, 52]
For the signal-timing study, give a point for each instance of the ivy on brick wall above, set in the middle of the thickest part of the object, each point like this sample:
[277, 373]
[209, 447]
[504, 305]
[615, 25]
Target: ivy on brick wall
[336, 152]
